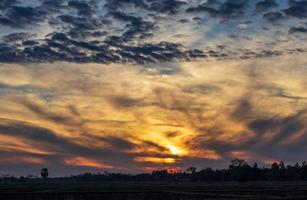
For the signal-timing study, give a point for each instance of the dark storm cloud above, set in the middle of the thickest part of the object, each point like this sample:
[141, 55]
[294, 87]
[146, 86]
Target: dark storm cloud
[8, 53]
[81, 23]
[209, 6]
[166, 6]
[83, 7]
[15, 37]
[115, 4]
[53, 6]
[298, 30]
[298, 8]
[201, 8]
[53, 3]
[265, 5]
[273, 16]
[61, 48]
[4, 4]
[137, 27]
[231, 9]
[158, 6]
[227, 10]
[18, 16]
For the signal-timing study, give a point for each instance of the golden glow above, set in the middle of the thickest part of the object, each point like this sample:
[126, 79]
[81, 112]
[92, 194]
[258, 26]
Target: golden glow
[155, 160]
[174, 150]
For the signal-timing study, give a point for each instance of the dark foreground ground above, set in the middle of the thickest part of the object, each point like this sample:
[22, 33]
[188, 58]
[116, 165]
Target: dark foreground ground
[157, 191]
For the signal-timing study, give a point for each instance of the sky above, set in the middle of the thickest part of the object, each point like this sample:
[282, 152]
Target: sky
[139, 85]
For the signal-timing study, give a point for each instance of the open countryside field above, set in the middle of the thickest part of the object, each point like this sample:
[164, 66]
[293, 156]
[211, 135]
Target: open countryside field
[157, 190]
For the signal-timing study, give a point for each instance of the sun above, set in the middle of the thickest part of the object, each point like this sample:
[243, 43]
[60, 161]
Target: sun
[174, 150]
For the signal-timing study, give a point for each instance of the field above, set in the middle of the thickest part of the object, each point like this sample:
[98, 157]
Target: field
[155, 190]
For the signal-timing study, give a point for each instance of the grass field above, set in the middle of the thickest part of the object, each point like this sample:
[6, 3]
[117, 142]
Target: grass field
[161, 191]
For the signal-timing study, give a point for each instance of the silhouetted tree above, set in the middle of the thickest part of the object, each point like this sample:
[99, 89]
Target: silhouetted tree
[191, 170]
[207, 174]
[238, 163]
[240, 170]
[273, 173]
[292, 174]
[44, 173]
[256, 172]
[160, 174]
[303, 170]
[282, 170]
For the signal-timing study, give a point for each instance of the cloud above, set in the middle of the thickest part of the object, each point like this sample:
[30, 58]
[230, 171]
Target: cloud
[273, 16]
[22, 159]
[265, 5]
[124, 101]
[83, 7]
[85, 162]
[297, 9]
[64, 149]
[41, 112]
[300, 29]
[144, 32]
[7, 3]
[160, 6]
[225, 11]
[15, 37]
[18, 16]
[201, 8]
[37, 135]
[138, 28]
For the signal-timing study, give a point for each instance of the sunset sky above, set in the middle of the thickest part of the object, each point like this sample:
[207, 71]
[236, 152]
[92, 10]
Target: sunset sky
[138, 85]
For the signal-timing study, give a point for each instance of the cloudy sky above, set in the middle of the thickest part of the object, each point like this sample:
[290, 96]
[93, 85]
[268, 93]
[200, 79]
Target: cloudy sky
[137, 85]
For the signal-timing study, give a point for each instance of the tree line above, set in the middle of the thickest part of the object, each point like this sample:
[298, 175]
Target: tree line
[238, 170]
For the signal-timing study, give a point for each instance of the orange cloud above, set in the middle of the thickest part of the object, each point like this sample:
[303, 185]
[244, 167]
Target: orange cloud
[22, 159]
[206, 154]
[85, 162]
[243, 155]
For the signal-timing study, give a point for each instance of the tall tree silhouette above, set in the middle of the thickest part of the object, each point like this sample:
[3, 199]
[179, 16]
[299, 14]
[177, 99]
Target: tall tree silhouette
[44, 173]
[240, 170]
